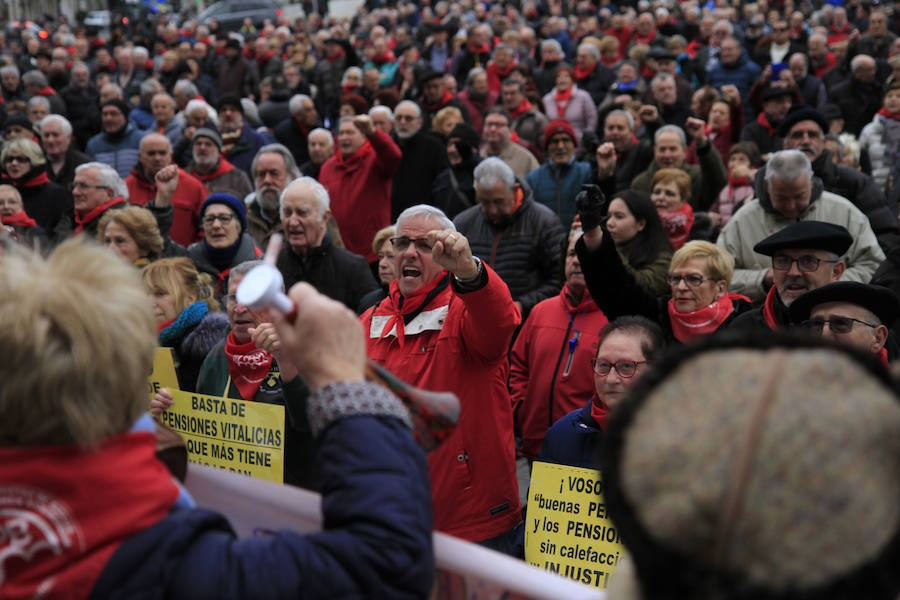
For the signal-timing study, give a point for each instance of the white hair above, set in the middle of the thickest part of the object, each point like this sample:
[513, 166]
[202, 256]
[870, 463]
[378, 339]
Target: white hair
[426, 212]
[319, 130]
[788, 165]
[295, 104]
[323, 202]
[591, 48]
[186, 87]
[197, 104]
[108, 177]
[35, 100]
[670, 129]
[64, 125]
[381, 109]
[409, 103]
[622, 113]
[491, 171]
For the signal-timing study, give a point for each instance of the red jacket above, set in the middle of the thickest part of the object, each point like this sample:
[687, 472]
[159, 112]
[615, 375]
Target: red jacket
[459, 343]
[360, 191]
[186, 201]
[546, 380]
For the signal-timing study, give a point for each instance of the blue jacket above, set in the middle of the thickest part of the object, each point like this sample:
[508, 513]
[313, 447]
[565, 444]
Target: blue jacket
[555, 186]
[574, 440]
[742, 74]
[121, 154]
[376, 506]
[141, 117]
[241, 155]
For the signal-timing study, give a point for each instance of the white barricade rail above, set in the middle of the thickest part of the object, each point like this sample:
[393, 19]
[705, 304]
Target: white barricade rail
[465, 570]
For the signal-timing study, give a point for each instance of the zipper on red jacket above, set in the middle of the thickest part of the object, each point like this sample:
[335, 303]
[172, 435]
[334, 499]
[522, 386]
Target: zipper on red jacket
[556, 372]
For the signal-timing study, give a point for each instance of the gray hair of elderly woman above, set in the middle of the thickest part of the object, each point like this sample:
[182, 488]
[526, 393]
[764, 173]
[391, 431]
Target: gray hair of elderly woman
[788, 165]
[26, 148]
[492, 171]
[290, 164]
[196, 104]
[108, 177]
[38, 100]
[426, 212]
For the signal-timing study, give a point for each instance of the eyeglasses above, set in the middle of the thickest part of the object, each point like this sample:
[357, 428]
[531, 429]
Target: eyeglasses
[223, 219]
[19, 159]
[230, 298]
[86, 186]
[835, 324]
[806, 263]
[625, 368]
[401, 243]
[691, 281]
[405, 118]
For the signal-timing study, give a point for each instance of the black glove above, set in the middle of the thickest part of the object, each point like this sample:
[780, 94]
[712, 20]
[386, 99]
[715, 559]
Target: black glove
[591, 206]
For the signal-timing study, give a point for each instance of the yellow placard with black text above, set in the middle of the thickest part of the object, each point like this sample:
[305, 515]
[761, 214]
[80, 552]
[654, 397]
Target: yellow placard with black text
[235, 435]
[567, 530]
[163, 375]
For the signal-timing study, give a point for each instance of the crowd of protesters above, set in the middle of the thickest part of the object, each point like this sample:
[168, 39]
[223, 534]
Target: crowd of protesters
[525, 203]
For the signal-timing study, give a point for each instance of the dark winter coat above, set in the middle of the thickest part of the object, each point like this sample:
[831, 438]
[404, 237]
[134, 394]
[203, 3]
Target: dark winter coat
[288, 133]
[190, 351]
[573, 440]
[423, 158]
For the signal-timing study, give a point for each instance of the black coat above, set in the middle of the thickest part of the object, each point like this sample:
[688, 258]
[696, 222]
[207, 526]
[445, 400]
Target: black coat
[287, 132]
[66, 175]
[332, 270]
[454, 189]
[423, 159]
[83, 107]
[858, 103]
[759, 135]
[49, 204]
[597, 84]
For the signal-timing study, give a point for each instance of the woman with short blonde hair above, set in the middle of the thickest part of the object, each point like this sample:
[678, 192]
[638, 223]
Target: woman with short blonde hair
[132, 233]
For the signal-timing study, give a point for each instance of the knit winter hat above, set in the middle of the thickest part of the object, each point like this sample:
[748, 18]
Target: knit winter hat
[208, 133]
[763, 468]
[118, 103]
[558, 126]
[231, 202]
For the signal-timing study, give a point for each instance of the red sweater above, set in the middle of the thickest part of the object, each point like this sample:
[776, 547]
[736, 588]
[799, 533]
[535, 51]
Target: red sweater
[186, 201]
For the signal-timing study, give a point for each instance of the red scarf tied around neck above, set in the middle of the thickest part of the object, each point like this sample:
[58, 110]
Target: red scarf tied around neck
[581, 73]
[599, 412]
[678, 224]
[248, 365]
[884, 113]
[411, 304]
[20, 219]
[768, 310]
[523, 107]
[94, 214]
[562, 102]
[689, 326]
[762, 120]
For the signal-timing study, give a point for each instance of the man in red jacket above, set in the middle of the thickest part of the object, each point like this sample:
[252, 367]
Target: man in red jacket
[156, 153]
[358, 180]
[446, 325]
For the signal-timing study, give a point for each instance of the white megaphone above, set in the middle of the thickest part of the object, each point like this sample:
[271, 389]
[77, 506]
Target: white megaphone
[261, 287]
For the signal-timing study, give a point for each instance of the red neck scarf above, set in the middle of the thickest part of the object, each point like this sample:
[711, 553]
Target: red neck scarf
[634, 141]
[762, 120]
[47, 91]
[94, 214]
[248, 365]
[412, 303]
[224, 167]
[385, 57]
[71, 531]
[768, 310]
[333, 57]
[350, 161]
[678, 224]
[482, 49]
[884, 113]
[500, 73]
[39, 179]
[641, 39]
[583, 73]
[20, 219]
[447, 97]
[523, 107]
[883, 357]
[689, 326]
[599, 412]
[262, 60]
[738, 181]
[562, 102]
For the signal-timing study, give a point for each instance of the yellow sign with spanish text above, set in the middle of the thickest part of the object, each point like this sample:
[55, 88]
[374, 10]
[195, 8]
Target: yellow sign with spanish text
[163, 375]
[234, 435]
[567, 530]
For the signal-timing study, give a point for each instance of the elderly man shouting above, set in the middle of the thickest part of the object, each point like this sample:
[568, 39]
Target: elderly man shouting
[447, 325]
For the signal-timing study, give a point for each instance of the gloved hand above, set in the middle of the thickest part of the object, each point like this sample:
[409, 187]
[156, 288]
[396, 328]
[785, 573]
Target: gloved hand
[591, 206]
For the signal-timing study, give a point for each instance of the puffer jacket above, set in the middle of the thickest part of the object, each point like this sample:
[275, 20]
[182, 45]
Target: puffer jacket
[879, 151]
[550, 376]
[555, 186]
[526, 252]
[757, 220]
[120, 153]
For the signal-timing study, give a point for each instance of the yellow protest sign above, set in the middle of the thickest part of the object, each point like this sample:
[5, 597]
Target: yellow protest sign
[163, 375]
[567, 530]
[235, 435]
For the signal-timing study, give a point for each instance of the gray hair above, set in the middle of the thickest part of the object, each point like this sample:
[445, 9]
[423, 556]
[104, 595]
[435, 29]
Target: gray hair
[78, 64]
[149, 87]
[855, 62]
[327, 133]
[290, 164]
[428, 213]
[670, 129]
[244, 268]
[474, 73]
[660, 78]
[116, 87]
[141, 51]
[788, 165]
[592, 49]
[491, 171]
[108, 177]
[727, 24]
[10, 69]
[64, 125]
[552, 44]
[166, 96]
[412, 104]
[381, 109]
[323, 202]
[357, 70]
[197, 104]
[34, 77]
[622, 113]
[186, 87]
[35, 100]
[295, 104]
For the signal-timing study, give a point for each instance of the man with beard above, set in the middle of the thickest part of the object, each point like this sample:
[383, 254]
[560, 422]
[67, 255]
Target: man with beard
[240, 142]
[213, 169]
[520, 238]
[294, 131]
[556, 182]
[273, 168]
[454, 189]
[117, 145]
[62, 157]
[422, 161]
[155, 154]
[310, 255]
[791, 194]
[805, 255]
[321, 147]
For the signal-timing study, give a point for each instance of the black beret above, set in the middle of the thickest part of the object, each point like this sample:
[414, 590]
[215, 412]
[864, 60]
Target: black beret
[802, 112]
[230, 100]
[429, 75]
[657, 53]
[815, 235]
[881, 301]
[776, 91]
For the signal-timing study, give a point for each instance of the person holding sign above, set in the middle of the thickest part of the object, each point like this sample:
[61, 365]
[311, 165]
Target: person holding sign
[95, 514]
[629, 345]
[246, 364]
